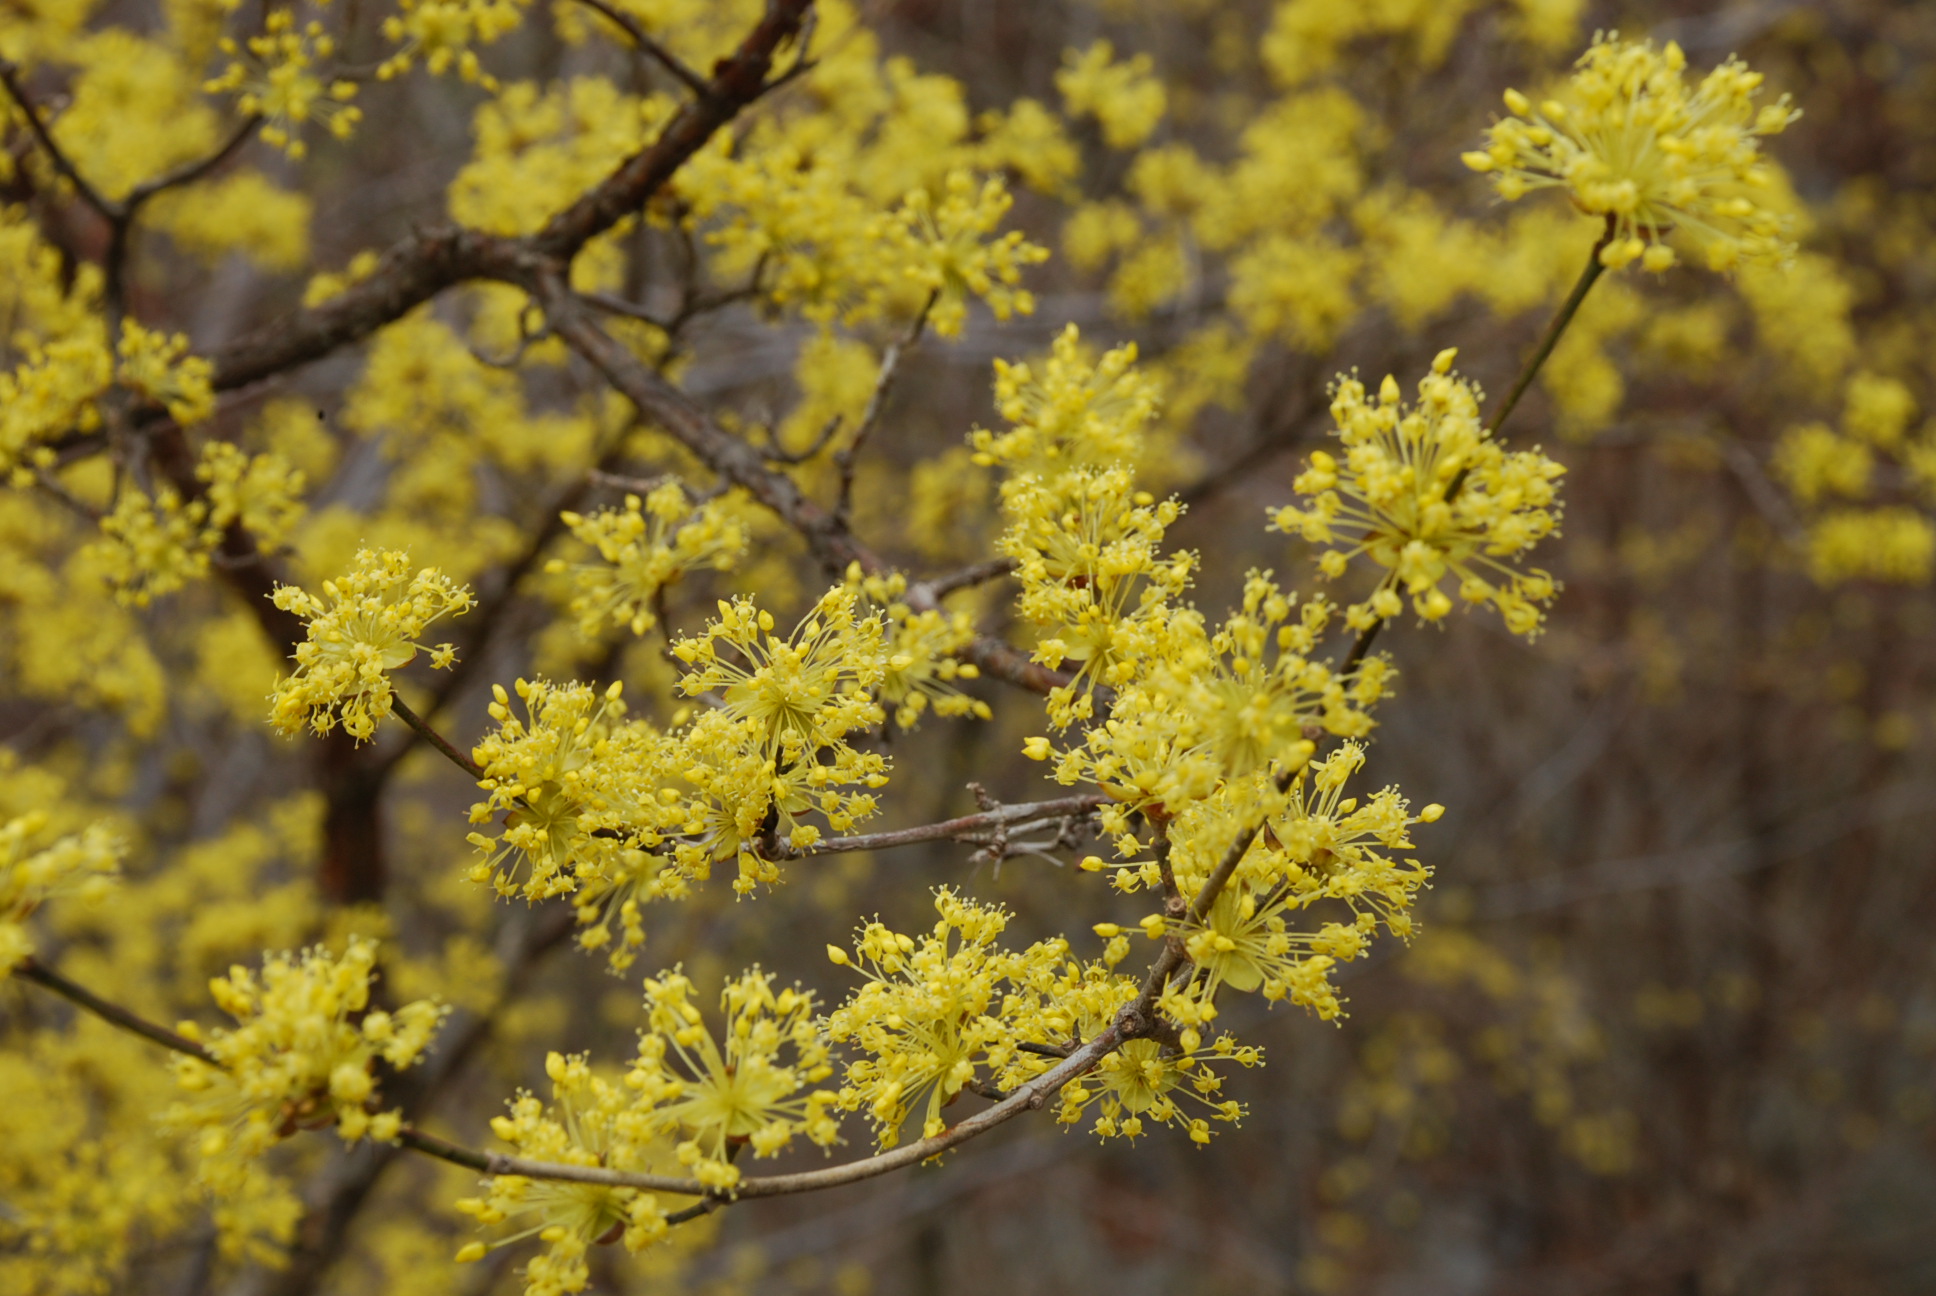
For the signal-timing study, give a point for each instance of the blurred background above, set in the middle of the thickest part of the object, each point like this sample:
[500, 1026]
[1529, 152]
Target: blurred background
[1669, 1025]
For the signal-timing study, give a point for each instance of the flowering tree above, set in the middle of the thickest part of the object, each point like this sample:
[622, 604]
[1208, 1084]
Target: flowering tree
[474, 519]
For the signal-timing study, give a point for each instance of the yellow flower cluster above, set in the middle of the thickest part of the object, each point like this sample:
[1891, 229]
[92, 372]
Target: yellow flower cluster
[938, 1015]
[1143, 1080]
[577, 784]
[154, 545]
[1213, 708]
[1086, 545]
[438, 33]
[947, 251]
[1318, 846]
[590, 1124]
[597, 802]
[698, 1097]
[301, 1056]
[1892, 543]
[1860, 538]
[158, 366]
[1426, 493]
[34, 869]
[51, 391]
[1628, 139]
[774, 747]
[797, 694]
[921, 669]
[1068, 411]
[643, 547]
[365, 625]
[55, 389]
[279, 82]
[712, 1096]
[835, 253]
[1125, 98]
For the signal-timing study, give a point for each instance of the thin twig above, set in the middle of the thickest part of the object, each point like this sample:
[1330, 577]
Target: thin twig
[630, 310]
[9, 76]
[949, 829]
[1581, 286]
[775, 454]
[435, 739]
[973, 574]
[32, 969]
[651, 47]
[847, 458]
[189, 172]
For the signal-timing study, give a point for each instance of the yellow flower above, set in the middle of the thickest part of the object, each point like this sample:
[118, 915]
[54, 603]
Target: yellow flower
[1426, 493]
[365, 625]
[34, 870]
[1628, 139]
[279, 82]
[301, 1055]
[643, 547]
[719, 1096]
[935, 1014]
[921, 668]
[947, 252]
[158, 366]
[802, 692]
[1125, 98]
[590, 1124]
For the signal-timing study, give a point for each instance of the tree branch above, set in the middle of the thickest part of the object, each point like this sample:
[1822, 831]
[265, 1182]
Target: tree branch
[647, 44]
[32, 969]
[10, 77]
[744, 465]
[951, 829]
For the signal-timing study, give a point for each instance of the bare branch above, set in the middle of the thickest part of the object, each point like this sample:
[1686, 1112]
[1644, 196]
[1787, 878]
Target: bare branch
[956, 829]
[10, 77]
[650, 46]
[974, 574]
[190, 172]
[31, 969]
[435, 739]
[848, 459]
[739, 462]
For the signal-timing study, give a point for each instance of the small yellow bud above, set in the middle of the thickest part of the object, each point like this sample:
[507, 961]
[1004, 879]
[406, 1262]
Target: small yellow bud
[471, 1252]
[1431, 813]
[1036, 749]
[1107, 930]
[1518, 103]
[1442, 362]
[837, 956]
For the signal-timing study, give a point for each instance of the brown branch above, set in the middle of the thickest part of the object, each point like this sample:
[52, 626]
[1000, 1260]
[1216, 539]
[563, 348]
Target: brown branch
[736, 82]
[10, 77]
[651, 47]
[32, 969]
[950, 829]
[979, 573]
[745, 466]
[435, 739]
[190, 172]
[847, 459]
